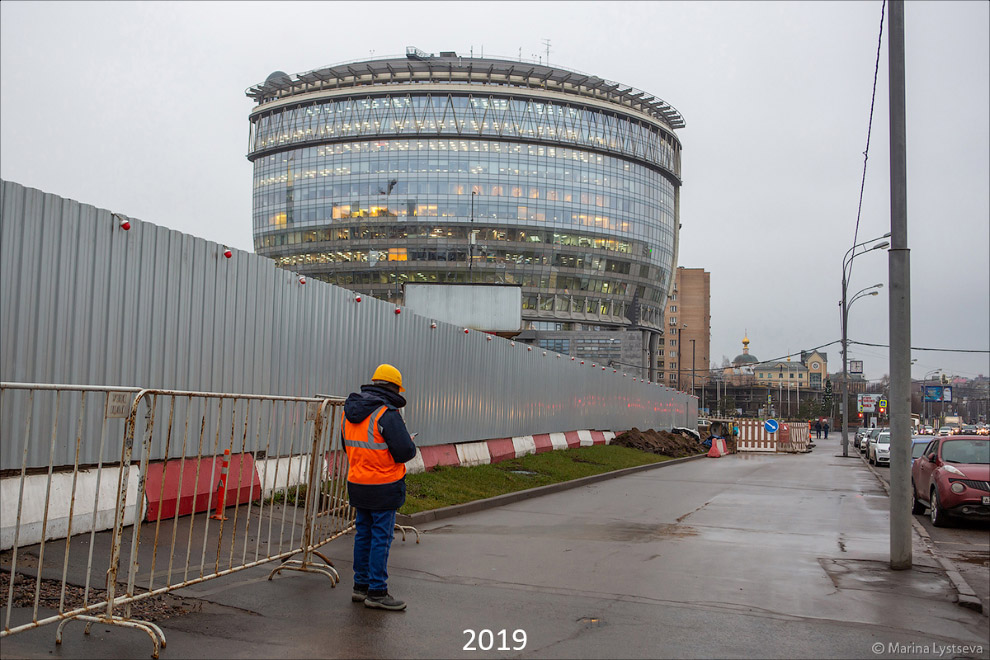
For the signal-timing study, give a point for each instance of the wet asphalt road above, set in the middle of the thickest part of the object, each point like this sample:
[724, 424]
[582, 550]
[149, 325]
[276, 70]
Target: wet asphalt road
[769, 556]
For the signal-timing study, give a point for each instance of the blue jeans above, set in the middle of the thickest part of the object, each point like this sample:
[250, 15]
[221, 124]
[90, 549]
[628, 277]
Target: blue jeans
[373, 535]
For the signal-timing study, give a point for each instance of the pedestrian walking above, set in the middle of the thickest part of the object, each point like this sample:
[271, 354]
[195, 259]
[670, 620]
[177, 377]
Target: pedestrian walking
[825, 428]
[818, 429]
[378, 445]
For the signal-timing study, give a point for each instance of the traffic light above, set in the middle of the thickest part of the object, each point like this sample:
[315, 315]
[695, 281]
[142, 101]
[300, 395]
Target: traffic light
[861, 415]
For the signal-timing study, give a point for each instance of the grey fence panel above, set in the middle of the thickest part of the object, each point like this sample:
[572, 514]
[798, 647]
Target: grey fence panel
[84, 302]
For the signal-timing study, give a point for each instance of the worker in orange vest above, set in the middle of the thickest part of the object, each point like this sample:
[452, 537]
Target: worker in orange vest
[377, 445]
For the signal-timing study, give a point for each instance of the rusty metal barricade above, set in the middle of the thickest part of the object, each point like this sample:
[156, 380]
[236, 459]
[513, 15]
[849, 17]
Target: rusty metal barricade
[284, 495]
[65, 491]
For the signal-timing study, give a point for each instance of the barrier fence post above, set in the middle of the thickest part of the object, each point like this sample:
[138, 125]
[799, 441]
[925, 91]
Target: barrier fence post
[222, 488]
[314, 487]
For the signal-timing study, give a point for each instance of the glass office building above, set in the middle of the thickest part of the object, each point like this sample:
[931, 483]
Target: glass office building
[448, 169]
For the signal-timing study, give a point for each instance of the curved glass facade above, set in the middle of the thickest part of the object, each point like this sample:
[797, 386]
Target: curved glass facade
[575, 200]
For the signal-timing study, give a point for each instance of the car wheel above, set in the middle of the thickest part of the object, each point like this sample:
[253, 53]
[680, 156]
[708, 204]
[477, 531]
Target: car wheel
[938, 513]
[916, 506]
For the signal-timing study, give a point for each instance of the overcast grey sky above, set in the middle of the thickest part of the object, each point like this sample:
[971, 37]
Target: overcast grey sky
[140, 108]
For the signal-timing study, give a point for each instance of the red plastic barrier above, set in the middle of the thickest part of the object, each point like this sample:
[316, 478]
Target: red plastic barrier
[572, 439]
[162, 485]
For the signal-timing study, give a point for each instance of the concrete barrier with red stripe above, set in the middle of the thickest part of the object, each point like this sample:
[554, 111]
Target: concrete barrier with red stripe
[503, 449]
[245, 478]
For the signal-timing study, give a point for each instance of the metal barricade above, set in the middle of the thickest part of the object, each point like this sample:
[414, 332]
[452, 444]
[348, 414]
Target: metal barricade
[54, 556]
[284, 495]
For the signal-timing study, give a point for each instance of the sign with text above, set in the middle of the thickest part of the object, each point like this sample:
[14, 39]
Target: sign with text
[867, 402]
[855, 366]
[118, 405]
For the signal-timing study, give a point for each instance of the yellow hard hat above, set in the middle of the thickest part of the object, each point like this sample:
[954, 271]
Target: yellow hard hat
[389, 374]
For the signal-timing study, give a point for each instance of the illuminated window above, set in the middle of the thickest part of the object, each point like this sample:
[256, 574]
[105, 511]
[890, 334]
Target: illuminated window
[397, 254]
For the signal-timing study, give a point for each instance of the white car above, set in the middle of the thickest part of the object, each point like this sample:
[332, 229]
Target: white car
[945, 430]
[869, 439]
[879, 451]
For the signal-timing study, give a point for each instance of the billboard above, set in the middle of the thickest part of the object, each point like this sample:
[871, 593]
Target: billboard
[938, 393]
[867, 402]
[486, 307]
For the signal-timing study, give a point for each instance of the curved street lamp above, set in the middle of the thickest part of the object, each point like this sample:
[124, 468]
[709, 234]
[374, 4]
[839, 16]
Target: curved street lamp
[847, 260]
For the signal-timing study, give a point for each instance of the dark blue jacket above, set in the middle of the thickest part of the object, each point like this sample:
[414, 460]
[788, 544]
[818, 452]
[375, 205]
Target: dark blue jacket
[357, 408]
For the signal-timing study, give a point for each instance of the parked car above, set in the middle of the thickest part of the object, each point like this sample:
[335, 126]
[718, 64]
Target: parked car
[860, 434]
[864, 444]
[879, 450]
[952, 478]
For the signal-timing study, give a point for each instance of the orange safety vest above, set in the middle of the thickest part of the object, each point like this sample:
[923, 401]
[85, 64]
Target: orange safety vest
[368, 455]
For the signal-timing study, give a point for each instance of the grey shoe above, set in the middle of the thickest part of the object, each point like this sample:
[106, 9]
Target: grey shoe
[358, 594]
[385, 602]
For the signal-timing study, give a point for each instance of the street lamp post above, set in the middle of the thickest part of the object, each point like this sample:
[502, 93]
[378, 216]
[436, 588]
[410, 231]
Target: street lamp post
[846, 268]
[780, 392]
[692, 368]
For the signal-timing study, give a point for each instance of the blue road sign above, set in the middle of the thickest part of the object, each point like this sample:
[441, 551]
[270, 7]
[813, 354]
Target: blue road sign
[771, 425]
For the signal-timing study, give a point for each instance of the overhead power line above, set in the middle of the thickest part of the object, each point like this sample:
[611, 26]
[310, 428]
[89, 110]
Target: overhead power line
[869, 130]
[921, 348]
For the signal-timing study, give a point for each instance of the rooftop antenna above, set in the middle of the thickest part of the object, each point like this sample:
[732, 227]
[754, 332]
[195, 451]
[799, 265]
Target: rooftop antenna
[546, 42]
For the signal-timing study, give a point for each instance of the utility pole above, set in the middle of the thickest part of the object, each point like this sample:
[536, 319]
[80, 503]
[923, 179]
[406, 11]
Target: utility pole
[899, 274]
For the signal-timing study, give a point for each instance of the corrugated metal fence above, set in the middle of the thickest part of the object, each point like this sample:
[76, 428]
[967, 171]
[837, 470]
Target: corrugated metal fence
[84, 302]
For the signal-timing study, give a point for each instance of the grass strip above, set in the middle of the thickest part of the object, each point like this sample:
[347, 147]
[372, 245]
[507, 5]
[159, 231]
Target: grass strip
[445, 486]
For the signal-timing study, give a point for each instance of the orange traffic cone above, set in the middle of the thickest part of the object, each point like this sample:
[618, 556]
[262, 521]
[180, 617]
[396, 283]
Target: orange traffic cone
[222, 488]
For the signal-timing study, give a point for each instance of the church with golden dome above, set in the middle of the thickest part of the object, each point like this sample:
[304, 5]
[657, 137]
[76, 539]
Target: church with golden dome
[810, 372]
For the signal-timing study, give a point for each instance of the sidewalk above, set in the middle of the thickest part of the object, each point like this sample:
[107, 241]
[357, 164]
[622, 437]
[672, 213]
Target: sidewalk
[744, 556]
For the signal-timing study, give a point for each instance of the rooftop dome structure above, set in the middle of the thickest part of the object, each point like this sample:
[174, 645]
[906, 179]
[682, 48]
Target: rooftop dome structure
[744, 358]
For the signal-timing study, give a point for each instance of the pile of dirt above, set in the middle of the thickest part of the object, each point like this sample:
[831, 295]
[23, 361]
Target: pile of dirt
[675, 445]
